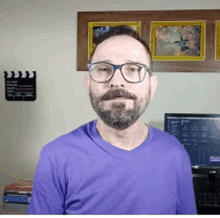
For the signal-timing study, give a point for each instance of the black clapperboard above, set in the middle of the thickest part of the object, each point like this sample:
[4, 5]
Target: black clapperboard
[20, 85]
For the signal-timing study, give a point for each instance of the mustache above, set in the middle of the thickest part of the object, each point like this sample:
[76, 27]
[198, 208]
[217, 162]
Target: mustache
[117, 94]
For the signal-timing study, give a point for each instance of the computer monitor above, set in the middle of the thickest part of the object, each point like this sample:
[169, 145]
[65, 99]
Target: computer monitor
[200, 135]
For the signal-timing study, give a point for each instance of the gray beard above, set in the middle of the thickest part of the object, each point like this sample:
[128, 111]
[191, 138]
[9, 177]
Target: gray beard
[118, 117]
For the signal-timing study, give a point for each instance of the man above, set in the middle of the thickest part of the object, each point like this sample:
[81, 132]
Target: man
[115, 164]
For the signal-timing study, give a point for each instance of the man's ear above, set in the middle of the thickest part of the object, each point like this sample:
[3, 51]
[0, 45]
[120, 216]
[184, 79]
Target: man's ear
[154, 83]
[87, 83]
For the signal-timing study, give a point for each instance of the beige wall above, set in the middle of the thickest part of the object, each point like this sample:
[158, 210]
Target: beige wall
[41, 35]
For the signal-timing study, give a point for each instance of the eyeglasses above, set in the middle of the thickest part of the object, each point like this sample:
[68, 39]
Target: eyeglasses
[132, 72]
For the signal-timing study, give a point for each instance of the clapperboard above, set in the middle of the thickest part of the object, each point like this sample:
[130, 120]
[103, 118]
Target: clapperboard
[20, 85]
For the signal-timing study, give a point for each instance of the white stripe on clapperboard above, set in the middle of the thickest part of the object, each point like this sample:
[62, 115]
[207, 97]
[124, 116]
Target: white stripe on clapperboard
[24, 74]
[16, 74]
[9, 74]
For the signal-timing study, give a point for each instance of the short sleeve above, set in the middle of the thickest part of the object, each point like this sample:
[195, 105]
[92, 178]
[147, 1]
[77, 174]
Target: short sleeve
[47, 194]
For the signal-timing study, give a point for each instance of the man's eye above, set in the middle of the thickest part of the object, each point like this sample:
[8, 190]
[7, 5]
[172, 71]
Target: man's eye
[106, 69]
[132, 69]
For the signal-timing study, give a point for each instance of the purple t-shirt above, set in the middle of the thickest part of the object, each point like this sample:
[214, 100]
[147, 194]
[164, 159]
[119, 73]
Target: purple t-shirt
[80, 173]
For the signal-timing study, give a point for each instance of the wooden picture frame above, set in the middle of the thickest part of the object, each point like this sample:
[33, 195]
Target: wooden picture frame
[217, 40]
[178, 40]
[210, 62]
[96, 28]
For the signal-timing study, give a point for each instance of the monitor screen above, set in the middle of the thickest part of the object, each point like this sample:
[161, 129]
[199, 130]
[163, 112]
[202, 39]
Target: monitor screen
[199, 134]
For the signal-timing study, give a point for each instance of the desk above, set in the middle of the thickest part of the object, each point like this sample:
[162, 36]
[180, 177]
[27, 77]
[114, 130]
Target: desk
[11, 208]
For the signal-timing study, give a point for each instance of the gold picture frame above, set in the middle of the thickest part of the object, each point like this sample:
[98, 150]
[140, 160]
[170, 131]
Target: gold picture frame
[178, 40]
[96, 28]
[217, 40]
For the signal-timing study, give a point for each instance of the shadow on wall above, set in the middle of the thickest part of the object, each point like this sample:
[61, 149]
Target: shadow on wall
[157, 124]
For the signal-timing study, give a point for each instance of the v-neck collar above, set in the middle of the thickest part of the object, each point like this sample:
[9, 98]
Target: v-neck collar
[113, 150]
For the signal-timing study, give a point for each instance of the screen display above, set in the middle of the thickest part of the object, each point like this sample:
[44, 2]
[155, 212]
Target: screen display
[199, 134]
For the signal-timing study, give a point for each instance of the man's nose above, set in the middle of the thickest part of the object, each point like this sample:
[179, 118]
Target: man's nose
[117, 79]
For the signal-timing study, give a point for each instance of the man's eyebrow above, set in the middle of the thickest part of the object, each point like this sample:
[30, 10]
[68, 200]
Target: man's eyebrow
[126, 61]
[129, 61]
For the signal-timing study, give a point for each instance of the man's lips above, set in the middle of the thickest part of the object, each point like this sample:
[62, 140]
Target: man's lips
[118, 98]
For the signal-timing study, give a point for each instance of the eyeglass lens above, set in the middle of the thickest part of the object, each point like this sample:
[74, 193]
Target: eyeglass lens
[102, 72]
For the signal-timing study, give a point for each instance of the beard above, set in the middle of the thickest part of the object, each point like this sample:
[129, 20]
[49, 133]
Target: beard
[118, 117]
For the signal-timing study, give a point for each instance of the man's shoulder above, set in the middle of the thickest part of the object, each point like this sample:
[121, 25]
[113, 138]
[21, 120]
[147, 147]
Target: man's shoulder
[161, 135]
[164, 140]
[68, 140]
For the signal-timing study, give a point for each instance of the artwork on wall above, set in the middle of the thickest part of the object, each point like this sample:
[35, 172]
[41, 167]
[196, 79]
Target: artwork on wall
[178, 40]
[97, 28]
[217, 40]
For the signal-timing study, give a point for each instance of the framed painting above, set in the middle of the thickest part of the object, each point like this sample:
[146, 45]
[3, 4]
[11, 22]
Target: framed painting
[95, 29]
[178, 40]
[217, 40]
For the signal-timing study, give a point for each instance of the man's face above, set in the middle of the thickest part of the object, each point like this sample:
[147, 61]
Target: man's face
[120, 113]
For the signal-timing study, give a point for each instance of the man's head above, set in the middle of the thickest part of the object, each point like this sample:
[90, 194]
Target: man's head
[119, 49]
[122, 30]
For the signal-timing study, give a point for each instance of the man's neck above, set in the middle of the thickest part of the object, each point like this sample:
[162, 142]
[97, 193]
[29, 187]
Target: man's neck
[127, 139]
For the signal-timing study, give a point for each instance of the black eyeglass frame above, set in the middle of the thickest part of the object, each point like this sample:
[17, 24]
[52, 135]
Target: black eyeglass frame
[115, 67]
